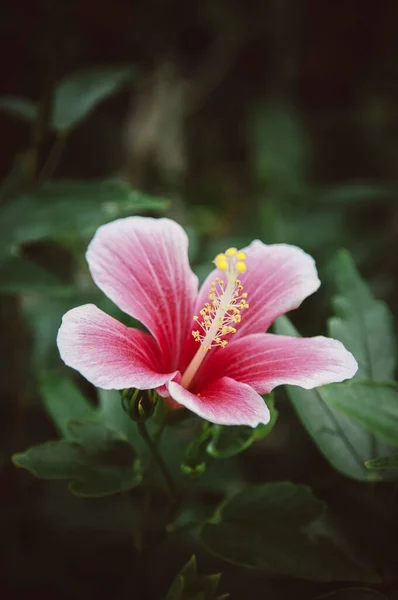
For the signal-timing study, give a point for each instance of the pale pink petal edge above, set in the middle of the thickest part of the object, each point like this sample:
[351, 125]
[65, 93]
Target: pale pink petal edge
[224, 402]
[265, 361]
[107, 353]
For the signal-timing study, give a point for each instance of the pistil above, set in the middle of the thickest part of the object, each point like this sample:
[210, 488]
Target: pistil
[218, 318]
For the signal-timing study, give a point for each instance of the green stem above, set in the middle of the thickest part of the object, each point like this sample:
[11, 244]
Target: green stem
[171, 487]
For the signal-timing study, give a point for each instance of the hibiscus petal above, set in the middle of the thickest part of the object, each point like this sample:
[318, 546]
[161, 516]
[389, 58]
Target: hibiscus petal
[225, 401]
[264, 361]
[107, 353]
[142, 265]
[278, 278]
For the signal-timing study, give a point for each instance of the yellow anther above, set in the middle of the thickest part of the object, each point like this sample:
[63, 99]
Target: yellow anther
[219, 317]
[241, 267]
[221, 262]
[222, 265]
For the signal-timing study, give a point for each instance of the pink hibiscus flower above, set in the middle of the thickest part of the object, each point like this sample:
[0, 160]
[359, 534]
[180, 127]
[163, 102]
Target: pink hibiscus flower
[207, 351]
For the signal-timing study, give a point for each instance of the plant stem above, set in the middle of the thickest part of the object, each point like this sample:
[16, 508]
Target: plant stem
[171, 487]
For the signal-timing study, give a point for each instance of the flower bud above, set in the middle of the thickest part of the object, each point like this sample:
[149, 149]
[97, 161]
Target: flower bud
[138, 404]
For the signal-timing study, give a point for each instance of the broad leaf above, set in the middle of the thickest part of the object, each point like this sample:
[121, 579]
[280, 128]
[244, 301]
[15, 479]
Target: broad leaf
[96, 460]
[363, 324]
[64, 401]
[62, 208]
[19, 275]
[280, 528]
[385, 462]
[53, 460]
[176, 589]
[280, 147]
[188, 585]
[19, 107]
[111, 413]
[78, 94]
[343, 442]
[372, 404]
[230, 440]
[196, 455]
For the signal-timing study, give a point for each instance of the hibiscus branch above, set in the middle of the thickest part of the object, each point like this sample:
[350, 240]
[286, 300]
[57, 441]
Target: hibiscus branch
[171, 486]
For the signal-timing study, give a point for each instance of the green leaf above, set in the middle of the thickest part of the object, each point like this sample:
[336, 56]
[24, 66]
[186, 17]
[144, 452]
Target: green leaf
[112, 414]
[98, 462]
[353, 594]
[62, 208]
[19, 275]
[281, 528]
[53, 460]
[363, 324]
[280, 150]
[189, 586]
[64, 401]
[194, 464]
[190, 571]
[106, 483]
[372, 404]
[176, 589]
[343, 442]
[230, 440]
[79, 93]
[385, 462]
[19, 107]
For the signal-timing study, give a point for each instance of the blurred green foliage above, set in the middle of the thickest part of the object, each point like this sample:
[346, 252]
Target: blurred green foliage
[274, 120]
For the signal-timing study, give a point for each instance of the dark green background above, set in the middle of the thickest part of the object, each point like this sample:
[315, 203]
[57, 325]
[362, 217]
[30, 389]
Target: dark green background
[274, 119]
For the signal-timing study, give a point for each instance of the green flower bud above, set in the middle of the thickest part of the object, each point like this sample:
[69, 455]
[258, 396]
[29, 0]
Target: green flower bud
[138, 404]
